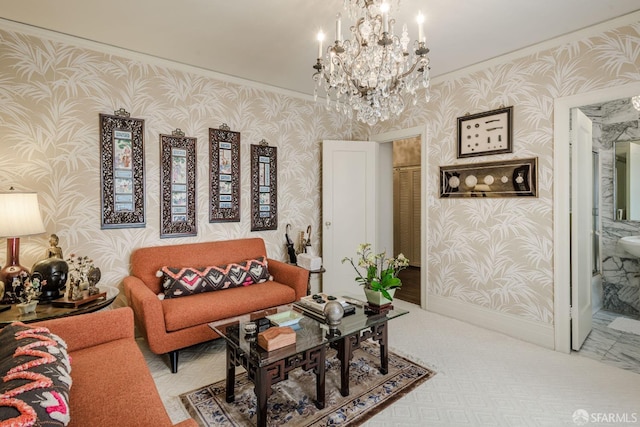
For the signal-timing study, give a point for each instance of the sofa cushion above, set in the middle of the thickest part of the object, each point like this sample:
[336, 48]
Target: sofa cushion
[35, 368]
[182, 313]
[183, 281]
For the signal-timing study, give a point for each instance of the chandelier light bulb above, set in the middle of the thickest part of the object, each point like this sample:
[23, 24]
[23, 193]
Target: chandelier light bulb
[420, 20]
[320, 39]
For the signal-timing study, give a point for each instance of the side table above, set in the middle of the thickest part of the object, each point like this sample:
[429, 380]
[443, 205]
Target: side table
[46, 311]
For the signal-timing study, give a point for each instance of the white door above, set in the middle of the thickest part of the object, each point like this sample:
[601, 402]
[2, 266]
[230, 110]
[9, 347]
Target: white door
[581, 226]
[348, 210]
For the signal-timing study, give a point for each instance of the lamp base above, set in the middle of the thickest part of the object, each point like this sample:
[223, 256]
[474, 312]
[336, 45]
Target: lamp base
[12, 270]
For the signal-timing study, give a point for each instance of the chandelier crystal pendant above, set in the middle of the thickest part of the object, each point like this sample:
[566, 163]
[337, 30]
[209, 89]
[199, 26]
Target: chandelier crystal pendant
[373, 71]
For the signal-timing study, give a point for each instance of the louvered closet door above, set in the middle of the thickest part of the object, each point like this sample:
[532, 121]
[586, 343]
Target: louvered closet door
[406, 213]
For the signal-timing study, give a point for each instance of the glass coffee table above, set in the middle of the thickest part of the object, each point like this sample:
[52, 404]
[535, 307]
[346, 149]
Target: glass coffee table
[265, 368]
[313, 336]
[364, 324]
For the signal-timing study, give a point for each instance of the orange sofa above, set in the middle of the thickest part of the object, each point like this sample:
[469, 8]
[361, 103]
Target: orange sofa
[171, 324]
[112, 385]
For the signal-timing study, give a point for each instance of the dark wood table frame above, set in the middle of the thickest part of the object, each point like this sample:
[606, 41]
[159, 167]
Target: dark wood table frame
[263, 377]
[345, 346]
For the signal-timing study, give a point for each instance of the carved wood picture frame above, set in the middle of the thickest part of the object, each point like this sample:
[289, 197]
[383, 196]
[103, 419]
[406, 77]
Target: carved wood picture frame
[178, 185]
[122, 171]
[224, 175]
[264, 187]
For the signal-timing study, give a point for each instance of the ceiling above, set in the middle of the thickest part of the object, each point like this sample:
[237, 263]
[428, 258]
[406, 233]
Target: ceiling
[273, 42]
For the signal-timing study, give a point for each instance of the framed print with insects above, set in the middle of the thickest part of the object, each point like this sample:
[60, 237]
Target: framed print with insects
[177, 185]
[486, 133]
[122, 171]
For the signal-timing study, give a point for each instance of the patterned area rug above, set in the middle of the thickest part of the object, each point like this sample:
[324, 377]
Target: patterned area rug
[292, 400]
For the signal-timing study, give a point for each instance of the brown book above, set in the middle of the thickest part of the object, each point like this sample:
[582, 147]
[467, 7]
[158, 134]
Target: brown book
[276, 337]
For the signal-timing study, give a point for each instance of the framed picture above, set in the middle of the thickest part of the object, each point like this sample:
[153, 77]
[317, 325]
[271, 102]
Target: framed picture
[224, 175]
[122, 170]
[509, 178]
[486, 133]
[264, 185]
[178, 185]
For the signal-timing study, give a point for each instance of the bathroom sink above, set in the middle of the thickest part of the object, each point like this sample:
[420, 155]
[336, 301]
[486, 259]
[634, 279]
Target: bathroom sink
[631, 244]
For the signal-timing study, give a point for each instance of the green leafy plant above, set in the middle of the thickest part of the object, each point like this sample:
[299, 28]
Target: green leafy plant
[381, 272]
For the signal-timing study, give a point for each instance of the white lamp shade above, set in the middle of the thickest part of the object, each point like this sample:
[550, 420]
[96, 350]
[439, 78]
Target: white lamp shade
[20, 215]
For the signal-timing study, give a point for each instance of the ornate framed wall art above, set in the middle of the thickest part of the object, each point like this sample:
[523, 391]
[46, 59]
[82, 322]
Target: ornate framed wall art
[177, 185]
[264, 185]
[122, 170]
[485, 133]
[224, 175]
[509, 178]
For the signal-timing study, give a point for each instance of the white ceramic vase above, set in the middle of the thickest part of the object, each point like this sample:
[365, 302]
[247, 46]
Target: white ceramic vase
[376, 297]
[27, 307]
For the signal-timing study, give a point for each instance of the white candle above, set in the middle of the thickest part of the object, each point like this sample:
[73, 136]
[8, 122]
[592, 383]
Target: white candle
[384, 8]
[320, 39]
[339, 27]
[420, 20]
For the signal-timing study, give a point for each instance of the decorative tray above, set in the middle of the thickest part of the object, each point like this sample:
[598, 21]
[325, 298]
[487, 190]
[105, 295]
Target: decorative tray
[285, 318]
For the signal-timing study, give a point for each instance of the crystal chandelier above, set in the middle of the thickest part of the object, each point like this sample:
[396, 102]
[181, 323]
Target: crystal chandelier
[636, 102]
[372, 72]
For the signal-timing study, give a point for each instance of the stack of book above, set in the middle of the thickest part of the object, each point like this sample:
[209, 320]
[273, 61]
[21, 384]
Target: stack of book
[313, 305]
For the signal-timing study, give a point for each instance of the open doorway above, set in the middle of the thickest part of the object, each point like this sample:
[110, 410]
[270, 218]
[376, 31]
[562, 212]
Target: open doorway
[419, 234]
[407, 204]
[564, 316]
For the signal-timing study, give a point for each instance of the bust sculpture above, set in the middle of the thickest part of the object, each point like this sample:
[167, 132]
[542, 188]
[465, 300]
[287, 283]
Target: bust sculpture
[54, 271]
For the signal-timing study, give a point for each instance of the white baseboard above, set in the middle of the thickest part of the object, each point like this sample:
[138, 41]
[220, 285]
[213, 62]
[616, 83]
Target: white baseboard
[538, 333]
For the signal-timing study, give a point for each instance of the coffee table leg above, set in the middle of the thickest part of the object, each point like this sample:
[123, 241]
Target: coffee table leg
[261, 384]
[320, 385]
[231, 376]
[384, 350]
[344, 353]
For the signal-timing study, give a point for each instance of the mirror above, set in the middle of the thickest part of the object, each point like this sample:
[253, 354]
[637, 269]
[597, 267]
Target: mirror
[626, 178]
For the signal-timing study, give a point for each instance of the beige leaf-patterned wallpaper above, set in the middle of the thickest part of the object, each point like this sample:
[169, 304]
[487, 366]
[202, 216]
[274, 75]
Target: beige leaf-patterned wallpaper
[496, 254]
[51, 94]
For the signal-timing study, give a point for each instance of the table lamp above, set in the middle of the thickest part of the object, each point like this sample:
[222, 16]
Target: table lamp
[19, 216]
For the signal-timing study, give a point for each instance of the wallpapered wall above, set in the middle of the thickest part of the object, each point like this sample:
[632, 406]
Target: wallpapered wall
[51, 93]
[498, 253]
[495, 254]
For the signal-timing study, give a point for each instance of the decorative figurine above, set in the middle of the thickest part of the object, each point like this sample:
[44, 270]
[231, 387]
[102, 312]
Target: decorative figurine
[54, 251]
[333, 313]
[93, 277]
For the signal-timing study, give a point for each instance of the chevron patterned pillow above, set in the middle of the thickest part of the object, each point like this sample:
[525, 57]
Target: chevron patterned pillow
[183, 281]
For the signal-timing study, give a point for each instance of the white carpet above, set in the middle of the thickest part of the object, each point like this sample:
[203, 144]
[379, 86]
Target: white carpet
[484, 379]
[626, 325]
